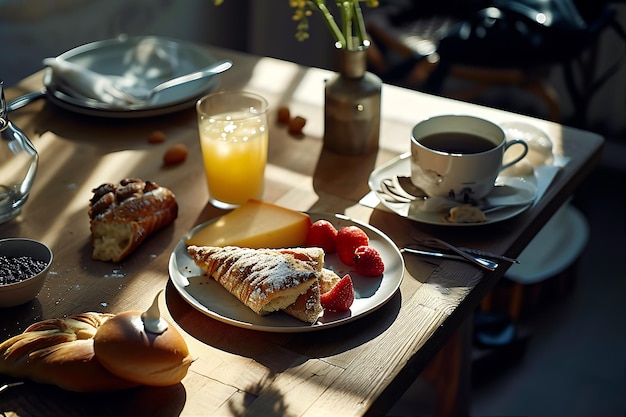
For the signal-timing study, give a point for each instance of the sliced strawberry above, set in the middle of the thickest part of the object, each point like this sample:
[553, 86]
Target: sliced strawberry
[348, 239]
[322, 234]
[340, 297]
[368, 262]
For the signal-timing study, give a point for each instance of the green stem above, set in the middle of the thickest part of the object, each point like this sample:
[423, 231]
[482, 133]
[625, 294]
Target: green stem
[361, 33]
[330, 21]
[346, 19]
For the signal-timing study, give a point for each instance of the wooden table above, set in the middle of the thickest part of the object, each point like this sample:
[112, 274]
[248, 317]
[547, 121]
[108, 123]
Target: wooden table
[360, 368]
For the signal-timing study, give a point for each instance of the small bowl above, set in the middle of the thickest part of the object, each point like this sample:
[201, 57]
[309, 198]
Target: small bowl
[23, 291]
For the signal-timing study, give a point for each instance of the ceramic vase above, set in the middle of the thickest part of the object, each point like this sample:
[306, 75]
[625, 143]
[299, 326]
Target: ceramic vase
[352, 106]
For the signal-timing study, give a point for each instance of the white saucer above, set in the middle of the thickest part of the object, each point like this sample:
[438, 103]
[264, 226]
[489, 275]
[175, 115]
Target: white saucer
[509, 187]
[169, 59]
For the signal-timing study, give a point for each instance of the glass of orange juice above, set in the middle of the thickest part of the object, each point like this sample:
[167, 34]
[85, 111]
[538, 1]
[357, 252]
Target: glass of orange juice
[233, 137]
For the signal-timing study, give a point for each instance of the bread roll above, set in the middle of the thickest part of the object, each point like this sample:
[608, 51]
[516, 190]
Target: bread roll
[126, 348]
[123, 215]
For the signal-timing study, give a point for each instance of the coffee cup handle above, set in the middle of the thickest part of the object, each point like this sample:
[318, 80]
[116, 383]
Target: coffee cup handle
[520, 157]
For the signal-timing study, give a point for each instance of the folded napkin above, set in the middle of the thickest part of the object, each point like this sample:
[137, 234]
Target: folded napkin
[80, 82]
[152, 59]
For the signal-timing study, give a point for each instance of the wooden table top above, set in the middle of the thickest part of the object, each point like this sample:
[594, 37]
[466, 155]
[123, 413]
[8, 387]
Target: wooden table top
[360, 368]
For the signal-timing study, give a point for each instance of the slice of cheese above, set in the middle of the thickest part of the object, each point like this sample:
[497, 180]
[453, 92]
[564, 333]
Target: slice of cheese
[256, 224]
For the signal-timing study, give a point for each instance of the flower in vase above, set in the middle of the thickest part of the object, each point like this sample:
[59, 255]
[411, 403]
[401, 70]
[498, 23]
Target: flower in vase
[349, 30]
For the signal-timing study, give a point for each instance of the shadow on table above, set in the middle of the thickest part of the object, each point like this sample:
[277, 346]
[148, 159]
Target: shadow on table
[302, 346]
[110, 133]
[273, 401]
[336, 175]
[33, 399]
[28, 313]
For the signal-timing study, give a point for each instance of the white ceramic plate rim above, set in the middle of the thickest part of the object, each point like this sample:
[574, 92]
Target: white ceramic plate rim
[173, 100]
[554, 248]
[208, 297]
[400, 165]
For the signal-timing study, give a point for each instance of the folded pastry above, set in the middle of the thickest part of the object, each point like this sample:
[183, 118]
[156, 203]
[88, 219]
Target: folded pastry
[265, 280]
[123, 215]
[328, 279]
[307, 306]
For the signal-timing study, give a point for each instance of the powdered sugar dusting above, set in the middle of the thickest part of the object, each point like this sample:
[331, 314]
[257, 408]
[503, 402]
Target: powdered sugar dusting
[252, 274]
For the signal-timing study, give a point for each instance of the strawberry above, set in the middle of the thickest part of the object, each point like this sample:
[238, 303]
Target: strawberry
[340, 297]
[322, 234]
[368, 262]
[348, 239]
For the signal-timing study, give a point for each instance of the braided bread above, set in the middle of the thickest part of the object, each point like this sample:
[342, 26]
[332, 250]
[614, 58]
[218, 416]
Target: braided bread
[123, 215]
[88, 353]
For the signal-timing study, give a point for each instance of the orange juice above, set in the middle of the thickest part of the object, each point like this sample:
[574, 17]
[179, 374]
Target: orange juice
[234, 149]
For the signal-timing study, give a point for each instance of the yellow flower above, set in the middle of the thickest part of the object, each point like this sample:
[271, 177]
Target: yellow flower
[351, 34]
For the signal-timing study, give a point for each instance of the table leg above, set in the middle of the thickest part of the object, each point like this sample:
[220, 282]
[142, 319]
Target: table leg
[449, 372]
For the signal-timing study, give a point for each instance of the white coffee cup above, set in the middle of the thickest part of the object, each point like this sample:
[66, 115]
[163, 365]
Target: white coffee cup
[459, 156]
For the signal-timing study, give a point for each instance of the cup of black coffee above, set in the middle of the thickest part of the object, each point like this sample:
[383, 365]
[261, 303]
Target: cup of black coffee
[459, 156]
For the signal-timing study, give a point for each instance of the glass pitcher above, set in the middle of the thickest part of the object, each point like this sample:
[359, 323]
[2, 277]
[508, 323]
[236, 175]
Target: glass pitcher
[18, 165]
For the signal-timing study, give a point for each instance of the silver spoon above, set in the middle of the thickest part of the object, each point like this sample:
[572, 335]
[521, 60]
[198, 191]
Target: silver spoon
[7, 386]
[27, 98]
[400, 189]
[137, 95]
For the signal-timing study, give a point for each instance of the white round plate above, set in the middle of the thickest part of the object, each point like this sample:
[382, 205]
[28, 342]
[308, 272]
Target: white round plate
[113, 57]
[401, 165]
[557, 245]
[211, 299]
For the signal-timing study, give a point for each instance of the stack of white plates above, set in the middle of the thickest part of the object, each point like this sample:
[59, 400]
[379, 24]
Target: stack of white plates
[149, 61]
[559, 243]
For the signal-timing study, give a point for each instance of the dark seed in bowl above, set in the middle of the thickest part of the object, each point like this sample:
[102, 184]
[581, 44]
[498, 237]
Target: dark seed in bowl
[19, 268]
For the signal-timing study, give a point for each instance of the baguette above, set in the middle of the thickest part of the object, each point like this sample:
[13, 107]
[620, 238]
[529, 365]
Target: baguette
[123, 215]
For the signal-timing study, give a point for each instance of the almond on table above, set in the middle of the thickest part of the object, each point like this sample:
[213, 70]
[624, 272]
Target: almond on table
[296, 124]
[175, 154]
[284, 115]
[156, 137]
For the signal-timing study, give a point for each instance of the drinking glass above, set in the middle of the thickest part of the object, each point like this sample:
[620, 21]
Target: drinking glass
[234, 138]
